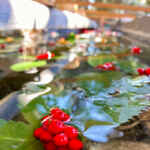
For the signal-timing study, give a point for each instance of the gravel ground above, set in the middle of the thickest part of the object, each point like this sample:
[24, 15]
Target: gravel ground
[139, 27]
[121, 145]
[139, 24]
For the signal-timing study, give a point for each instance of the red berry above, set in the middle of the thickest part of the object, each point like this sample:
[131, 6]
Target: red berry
[2, 46]
[50, 146]
[66, 117]
[62, 148]
[20, 49]
[56, 126]
[46, 120]
[141, 71]
[46, 123]
[55, 110]
[61, 139]
[147, 71]
[45, 56]
[38, 132]
[59, 114]
[45, 117]
[107, 67]
[52, 55]
[45, 136]
[136, 50]
[100, 67]
[42, 56]
[71, 132]
[75, 144]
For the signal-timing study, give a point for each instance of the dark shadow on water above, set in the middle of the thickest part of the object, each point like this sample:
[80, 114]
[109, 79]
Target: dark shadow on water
[13, 82]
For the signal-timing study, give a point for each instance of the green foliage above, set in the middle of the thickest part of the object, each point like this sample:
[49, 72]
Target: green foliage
[95, 82]
[125, 98]
[71, 37]
[95, 105]
[30, 112]
[101, 59]
[2, 122]
[2, 41]
[127, 65]
[18, 136]
[27, 65]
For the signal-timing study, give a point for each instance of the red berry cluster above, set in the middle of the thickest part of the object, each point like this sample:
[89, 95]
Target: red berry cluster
[2, 46]
[55, 134]
[20, 49]
[136, 50]
[143, 71]
[107, 67]
[46, 56]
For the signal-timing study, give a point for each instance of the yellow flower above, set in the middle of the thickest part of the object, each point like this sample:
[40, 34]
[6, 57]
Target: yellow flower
[9, 39]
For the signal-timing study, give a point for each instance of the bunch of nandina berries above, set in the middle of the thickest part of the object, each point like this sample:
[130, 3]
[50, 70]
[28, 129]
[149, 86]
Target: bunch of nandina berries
[20, 50]
[2, 46]
[46, 56]
[136, 50]
[55, 134]
[109, 66]
[143, 71]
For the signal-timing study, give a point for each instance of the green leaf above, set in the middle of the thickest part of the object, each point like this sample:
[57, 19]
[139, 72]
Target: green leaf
[128, 65]
[2, 41]
[31, 113]
[93, 83]
[27, 57]
[27, 65]
[99, 133]
[128, 112]
[8, 51]
[2, 122]
[128, 102]
[101, 59]
[18, 136]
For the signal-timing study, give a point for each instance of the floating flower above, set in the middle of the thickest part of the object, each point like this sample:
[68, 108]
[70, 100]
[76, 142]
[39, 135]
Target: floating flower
[108, 33]
[62, 41]
[54, 34]
[9, 39]
[114, 34]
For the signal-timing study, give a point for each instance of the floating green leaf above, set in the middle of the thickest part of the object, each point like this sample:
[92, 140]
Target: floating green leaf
[128, 65]
[2, 122]
[101, 59]
[27, 65]
[2, 41]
